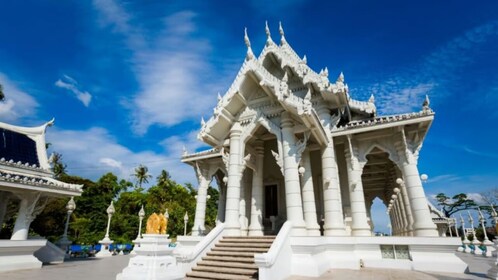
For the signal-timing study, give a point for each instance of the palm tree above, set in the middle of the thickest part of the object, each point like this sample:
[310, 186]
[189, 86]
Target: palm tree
[163, 178]
[142, 175]
[2, 96]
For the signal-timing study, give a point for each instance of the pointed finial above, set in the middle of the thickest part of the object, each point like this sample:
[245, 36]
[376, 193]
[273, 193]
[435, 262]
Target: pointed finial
[340, 79]
[282, 34]
[269, 40]
[285, 78]
[185, 152]
[250, 54]
[371, 99]
[427, 102]
[219, 97]
[305, 59]
[203, 123]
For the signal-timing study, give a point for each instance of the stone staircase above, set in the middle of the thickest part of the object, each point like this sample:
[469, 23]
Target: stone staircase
[232, 258]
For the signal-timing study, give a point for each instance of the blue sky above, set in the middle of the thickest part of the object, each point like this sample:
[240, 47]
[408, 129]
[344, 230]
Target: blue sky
[128, 82]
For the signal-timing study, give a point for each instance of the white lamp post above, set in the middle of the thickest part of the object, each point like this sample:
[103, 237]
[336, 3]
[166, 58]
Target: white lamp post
[141, 215]
[104, 250]
[185, 221]
[424, 178]
[475, 242]
[466, 241]
[486, 241]
[64, 242]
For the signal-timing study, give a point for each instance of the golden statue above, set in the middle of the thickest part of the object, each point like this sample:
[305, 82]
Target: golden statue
[157, 224]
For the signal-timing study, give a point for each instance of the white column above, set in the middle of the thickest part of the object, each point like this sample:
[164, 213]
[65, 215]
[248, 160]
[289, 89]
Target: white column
[407, 207]
[423, 224]
[200, 208]
[25, 216]
[244, 228]
[403, 212]
[360, 225]
[256, 226]
[291, 176]
[309, 206]
[332, 204]
[393, 222]
[4, 200]
[398, 217]
[232, 225]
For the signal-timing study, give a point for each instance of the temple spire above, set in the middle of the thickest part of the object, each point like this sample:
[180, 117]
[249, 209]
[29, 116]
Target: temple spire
[282, 34]
[340, 79]
[203, 122]
[371, 99]
[219, 97]
[305, 59]
[426, 105]
[269, 40]
[250, 54]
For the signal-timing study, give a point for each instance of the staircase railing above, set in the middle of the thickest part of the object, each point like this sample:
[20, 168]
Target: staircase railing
[186, 260]
[276, 264]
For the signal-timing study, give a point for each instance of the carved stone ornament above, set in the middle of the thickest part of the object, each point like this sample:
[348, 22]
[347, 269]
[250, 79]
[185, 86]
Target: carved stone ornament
[279, 160]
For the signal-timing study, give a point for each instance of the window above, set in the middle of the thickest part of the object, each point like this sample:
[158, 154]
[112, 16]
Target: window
[399, 252]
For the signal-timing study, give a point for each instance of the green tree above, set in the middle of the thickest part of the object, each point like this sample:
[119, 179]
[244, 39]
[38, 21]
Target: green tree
[452, 205]
[58, 167]
[142, 175]
[163, 177]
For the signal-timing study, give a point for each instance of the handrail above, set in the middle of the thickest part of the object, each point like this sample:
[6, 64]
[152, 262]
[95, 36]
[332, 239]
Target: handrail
[280, 242]
[204, 245]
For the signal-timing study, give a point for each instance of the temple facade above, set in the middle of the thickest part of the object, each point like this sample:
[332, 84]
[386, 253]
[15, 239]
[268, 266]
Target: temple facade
[289, 144]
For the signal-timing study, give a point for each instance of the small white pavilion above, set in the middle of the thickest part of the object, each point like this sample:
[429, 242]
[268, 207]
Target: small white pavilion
[27, 179]
[291, 146]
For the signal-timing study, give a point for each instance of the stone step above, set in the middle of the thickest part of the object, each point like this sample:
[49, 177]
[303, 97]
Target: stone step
[229, 259]
[231, 254]
[240, 249]
[244, 245]
[209, 275]
[272, 237]
[244, 241]
[227, 263]
[226, 270]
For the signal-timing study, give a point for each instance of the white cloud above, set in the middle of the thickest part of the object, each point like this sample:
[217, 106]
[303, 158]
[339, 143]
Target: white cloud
[72, 85]
[436, 75]
[172, 69]
[18, 104]
[93, 152]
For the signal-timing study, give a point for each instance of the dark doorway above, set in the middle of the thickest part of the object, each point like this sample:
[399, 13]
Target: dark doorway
[271, 201]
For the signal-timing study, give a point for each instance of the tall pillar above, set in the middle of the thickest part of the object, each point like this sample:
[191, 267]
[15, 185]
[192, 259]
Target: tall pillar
[393, 222]
[242, 206]
[309, 206]
[403, 213]
[232, 225]
[25, 216]
[360, 225]
[406, 205]
[332, 204]
[291, 176]
[397, 210]
[256, 226]
[200, 209]
[4, 201]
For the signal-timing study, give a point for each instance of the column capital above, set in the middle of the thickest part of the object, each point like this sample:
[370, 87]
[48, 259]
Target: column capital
[235, 130]
[286, 120]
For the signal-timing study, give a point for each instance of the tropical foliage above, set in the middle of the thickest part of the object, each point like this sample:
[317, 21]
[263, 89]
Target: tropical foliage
[457, 203]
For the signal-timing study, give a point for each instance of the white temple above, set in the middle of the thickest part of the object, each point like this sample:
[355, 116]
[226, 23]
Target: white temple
[27, 179]
[291, 147]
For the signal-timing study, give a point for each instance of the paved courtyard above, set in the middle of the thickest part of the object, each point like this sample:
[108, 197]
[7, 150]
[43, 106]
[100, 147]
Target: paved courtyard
[107, 268]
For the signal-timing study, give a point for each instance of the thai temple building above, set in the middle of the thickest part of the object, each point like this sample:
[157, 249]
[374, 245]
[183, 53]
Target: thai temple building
[297, 157]
[26, 178]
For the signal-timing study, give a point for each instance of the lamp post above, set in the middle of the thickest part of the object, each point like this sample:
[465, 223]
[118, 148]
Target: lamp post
[64, 242]
[486, 241]
[185, 221]
[141, 215]
[104, 252]
[475, 242]
[466, 241]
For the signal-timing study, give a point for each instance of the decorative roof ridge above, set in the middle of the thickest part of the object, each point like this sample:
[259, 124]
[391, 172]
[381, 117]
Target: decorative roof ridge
[37, 130]
[25, 165]
[38, 181]
[384, 119]
[201, 153]
[363, 106]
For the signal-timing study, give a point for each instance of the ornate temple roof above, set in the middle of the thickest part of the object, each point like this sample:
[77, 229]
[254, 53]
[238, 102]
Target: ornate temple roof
[24, 163]
[280, 80]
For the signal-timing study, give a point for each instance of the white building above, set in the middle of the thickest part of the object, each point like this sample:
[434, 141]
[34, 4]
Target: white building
[289, 145]
[27, 179]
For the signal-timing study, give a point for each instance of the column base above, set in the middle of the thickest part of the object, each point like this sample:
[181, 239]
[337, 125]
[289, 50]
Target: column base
[256, 232]
[232, 231]
[335, 231]
[427, 232]
[299, 231]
